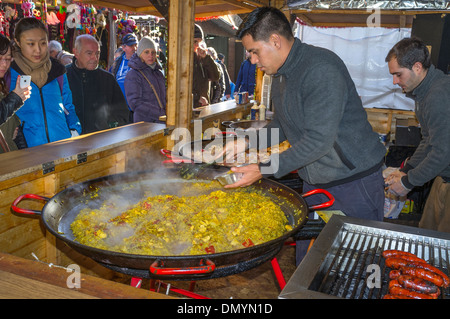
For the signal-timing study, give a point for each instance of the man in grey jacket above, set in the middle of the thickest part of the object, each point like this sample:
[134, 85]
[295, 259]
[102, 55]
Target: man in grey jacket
[410, 65]
[318, 111]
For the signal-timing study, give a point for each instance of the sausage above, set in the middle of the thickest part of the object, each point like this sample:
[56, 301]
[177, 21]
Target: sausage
[430, 268]
[393, 274]
[396, 262]
[409, 293]
[433, 269]
[402, 254]
[424, 274]
[414, 262]
[394, 283]
[418, 284]
[391, 296]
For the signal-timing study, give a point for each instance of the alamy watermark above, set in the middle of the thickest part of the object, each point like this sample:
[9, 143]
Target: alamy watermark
[74, 279]
[374, 19]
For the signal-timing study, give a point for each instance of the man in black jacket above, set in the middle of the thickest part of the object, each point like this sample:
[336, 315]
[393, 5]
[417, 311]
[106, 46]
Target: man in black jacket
[98, 99]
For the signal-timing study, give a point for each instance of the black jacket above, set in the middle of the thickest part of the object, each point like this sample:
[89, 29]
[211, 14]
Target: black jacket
[98, 99]
[8, 105]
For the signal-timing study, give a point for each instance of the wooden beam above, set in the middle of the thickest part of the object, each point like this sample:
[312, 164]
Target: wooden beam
[180, 63]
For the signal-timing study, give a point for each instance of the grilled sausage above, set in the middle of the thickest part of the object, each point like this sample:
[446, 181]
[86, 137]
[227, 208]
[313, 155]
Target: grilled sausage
[414, 261]
[433, 269]
[396, 262]
[409, 293]
[391, 296]
[424, 274]
[418, 284]
[402, 254]
[394, 283]
[399, 263]
[393, 274]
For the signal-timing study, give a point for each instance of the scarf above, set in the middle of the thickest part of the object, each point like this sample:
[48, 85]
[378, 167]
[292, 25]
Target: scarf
[37, 70]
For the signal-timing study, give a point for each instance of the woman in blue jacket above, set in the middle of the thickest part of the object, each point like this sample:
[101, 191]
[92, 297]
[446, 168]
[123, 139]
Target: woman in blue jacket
[49, 114]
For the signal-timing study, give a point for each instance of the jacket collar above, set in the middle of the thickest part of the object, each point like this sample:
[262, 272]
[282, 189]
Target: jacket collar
[294, 57]
[422, 89]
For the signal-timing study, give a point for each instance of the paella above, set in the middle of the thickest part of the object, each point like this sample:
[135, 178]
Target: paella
[215, 220]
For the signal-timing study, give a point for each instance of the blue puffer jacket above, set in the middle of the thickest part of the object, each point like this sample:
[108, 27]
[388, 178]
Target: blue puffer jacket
[49, 114]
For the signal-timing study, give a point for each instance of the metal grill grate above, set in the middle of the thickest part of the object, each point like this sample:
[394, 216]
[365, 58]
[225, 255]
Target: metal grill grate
[359, 256]
[346, 262]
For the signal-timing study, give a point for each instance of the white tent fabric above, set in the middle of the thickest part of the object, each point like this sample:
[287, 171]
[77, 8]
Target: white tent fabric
[363, 50]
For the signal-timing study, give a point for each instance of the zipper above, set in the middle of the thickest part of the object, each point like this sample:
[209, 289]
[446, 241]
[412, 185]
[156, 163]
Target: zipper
[45, 115]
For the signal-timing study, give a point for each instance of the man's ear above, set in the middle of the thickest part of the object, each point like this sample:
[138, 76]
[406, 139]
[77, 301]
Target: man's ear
[275, 40]
[417, 66]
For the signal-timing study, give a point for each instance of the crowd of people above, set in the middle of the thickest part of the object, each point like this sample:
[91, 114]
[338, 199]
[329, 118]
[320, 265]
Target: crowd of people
[69, 94]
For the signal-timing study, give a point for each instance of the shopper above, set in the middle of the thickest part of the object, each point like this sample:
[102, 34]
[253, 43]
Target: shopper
[145, 84]
[49, 114]
[11, 135]
[99, 101]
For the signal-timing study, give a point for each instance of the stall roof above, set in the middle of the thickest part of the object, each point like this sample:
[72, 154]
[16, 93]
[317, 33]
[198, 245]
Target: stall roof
[203, 8]
[361, 13]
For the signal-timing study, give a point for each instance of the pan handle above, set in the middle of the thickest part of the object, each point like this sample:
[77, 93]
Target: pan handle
[27, 211]
[172, 158]
[157, 268]
[327, 204]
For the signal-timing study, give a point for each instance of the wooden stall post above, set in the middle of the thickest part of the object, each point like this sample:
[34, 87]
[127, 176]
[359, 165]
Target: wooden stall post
[180, 63]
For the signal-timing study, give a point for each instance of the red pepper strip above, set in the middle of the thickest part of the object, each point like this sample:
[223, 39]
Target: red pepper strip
[210, 250]
[248, 243]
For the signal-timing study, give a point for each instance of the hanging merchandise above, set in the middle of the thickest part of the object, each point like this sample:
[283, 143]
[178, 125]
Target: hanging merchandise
[61, 15]
[52, 18]
[27, 7]
[126, 26]
[44, 11]
[9, 14]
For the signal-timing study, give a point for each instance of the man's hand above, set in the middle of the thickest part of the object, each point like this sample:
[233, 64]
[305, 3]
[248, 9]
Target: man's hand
[394, 181]
[251, 174]
[202, 50]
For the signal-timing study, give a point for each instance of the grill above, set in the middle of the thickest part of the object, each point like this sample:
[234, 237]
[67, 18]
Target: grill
[345, 260]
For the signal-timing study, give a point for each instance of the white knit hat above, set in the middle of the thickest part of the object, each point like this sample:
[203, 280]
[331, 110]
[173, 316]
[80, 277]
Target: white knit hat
[146, 43]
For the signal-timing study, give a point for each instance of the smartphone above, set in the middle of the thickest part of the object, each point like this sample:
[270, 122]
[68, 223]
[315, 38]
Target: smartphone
[25, 81]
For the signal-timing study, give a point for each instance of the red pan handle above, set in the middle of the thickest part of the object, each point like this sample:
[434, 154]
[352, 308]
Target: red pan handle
[27, 211]
[157, 269]
[166, 153]
[327, 204]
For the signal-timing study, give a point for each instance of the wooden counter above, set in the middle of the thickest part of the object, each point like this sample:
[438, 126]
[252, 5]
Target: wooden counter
[26, 279]
[213, 115]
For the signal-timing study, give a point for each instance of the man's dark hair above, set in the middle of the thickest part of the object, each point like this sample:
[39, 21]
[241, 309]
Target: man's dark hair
[261, 23]
[409, 51]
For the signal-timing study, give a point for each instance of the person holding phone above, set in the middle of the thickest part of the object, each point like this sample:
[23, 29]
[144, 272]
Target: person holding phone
[10, 131]
[49, 114]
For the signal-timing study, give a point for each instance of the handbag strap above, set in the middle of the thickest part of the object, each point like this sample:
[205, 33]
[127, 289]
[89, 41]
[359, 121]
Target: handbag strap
[153, 88]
